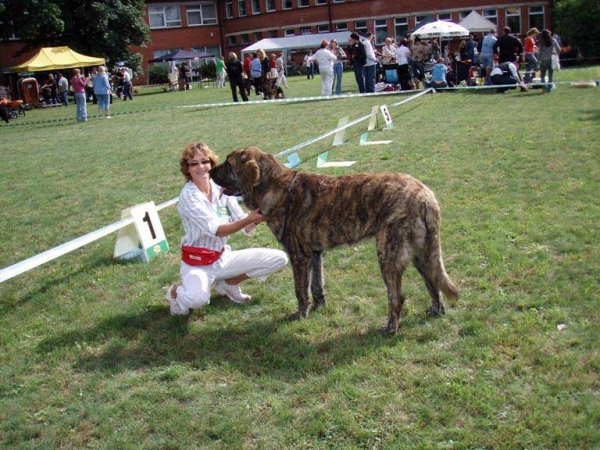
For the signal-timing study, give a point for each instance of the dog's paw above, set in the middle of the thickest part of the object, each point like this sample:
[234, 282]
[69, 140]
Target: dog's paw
[387, 331]
[436, 311]
[294, 317]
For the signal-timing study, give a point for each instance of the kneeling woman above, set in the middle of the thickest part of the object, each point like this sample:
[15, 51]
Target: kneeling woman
[209, 218]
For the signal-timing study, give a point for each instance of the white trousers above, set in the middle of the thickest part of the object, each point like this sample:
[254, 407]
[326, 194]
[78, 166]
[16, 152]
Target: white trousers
[326, 80]
[196, 281]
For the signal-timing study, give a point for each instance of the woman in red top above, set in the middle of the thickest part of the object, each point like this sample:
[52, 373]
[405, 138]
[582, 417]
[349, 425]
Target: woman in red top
[530, 49]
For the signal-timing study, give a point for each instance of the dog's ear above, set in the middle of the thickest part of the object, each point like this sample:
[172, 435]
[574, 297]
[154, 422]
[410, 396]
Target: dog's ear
[249, 175]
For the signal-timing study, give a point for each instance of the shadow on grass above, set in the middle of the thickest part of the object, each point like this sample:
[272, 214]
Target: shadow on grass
[153, 338]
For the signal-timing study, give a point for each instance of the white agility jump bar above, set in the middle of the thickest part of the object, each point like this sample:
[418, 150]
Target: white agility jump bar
[49, 255]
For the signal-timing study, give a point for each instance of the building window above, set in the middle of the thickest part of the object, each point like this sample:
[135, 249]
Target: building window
[400, 27]
[164, 16]
[289, 32]
[381, 31]
[271, 5]
[242, 8]
[272, 33]
[360, 26]
[302, 3]
[491, 15]
[255, 6]
[229, 9]
[305, 30]
[536, 17]
[419, 19]
[159, 53]
[339, 1]
[244, 38]
[446, 16]
[341, 26]
[286, 4]
[258, 36]
[463, 14]
[231, 40]
[201, 14]
[320, 2]
[513, 19]
[323, 29]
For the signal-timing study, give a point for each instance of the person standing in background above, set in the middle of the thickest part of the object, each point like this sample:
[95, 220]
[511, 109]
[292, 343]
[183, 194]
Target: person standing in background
[79, 82]
[103, 91]
[548, 48]
[220, 67]
[338, 66]
[530, 49]
[325, 58]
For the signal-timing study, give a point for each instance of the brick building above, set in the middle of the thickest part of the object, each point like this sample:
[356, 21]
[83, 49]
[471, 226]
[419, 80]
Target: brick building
[221, 26]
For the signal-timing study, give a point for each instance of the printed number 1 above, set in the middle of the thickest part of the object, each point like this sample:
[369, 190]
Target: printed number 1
[147, 219]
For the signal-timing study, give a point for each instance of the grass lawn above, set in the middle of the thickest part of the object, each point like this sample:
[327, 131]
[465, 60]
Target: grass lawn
[91, 358]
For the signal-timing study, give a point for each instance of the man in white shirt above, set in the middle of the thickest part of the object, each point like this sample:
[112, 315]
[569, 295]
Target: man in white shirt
[126, 84]
[325, 59]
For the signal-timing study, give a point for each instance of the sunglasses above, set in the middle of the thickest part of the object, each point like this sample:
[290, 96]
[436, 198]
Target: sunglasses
[195, 163]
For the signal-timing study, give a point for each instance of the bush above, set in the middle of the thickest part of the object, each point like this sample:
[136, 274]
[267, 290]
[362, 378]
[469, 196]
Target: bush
[159, 74]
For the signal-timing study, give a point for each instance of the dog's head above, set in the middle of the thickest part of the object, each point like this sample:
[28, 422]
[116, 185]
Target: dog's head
[244, 170]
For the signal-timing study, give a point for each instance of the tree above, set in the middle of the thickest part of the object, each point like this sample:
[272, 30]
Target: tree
[577, 22]
[106, 28]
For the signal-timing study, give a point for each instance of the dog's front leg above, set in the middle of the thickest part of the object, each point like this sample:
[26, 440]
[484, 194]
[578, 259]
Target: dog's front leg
[301, 270]
[316, 279]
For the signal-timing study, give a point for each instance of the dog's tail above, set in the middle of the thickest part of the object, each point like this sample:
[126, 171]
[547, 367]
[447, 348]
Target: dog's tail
[435, 265]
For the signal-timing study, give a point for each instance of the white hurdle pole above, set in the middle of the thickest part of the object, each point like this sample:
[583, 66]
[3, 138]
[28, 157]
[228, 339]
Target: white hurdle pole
[35, 261]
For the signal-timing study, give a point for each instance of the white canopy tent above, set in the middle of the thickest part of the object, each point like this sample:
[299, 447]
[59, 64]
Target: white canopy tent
[440, 29]
[305, 41]
[476, 23]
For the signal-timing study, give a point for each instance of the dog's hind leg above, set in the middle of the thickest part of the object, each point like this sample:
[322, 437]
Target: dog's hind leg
[393, 256]
[437, 303]
[301, 270]
[317, 279]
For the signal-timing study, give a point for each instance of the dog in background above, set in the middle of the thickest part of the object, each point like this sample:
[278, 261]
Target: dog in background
[4, 114]
[310, 213]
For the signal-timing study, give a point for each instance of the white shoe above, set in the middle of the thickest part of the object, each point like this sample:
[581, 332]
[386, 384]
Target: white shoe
[231, 291]
[176, 310]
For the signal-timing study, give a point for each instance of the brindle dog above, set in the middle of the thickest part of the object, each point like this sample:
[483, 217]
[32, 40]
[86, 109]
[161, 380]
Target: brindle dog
[309, 213]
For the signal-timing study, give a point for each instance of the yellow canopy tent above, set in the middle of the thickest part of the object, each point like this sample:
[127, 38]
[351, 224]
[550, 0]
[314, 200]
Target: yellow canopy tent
[54, 58]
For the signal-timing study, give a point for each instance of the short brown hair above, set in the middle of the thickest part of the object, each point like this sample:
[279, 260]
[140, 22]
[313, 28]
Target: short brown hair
[192, 150]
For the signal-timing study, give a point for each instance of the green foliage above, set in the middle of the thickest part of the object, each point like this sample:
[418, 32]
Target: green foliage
[577, 23]
[91, 357]
[159, 73]
[106, 28]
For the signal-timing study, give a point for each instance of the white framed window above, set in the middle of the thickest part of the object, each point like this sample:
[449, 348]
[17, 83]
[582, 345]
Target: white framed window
[201, 14]
[242, 8]
[289, 32]
[303, 3]
[164, 16]
[445, 17]
[231, 40]
[536, 17]
[463, 14]
[255, 6]
[286, 4]
[419, 19]
[513, 19]
[229, 9]
[339, 1]
[360, 26]
[305, 30]
[381, 31]
[491, 15]
[272, 33]
[320, 2]
[323, 29]
[271, 5]
[341, 26]
[244, 38]
[400, 27]
[258, 36]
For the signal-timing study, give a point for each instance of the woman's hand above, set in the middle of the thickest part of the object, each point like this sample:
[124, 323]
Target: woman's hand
[256, 216]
